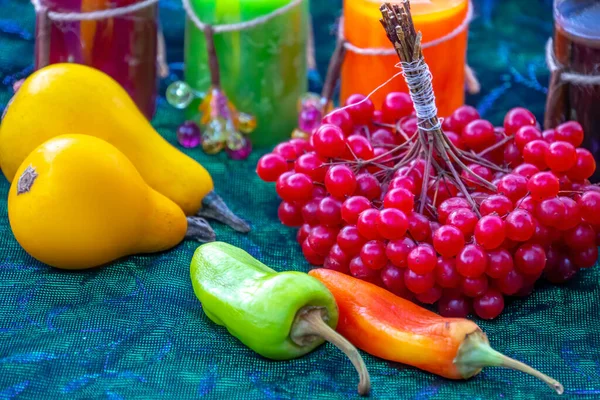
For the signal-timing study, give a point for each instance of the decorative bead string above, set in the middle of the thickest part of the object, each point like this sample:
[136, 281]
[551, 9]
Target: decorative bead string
[390, 51]
[565, 75]
[92, 15]
[240, 26]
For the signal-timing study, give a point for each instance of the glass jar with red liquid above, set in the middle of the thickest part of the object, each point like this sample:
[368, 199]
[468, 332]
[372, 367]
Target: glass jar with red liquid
[123, 46]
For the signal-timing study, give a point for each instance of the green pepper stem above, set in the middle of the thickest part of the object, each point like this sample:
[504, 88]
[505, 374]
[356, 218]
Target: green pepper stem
[310, 323]
[475, 353]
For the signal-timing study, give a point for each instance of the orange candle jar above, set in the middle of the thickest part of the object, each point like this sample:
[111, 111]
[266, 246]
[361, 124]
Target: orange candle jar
[435, 19]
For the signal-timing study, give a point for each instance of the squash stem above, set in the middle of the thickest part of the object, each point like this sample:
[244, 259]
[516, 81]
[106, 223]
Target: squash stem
[200, 230]
[213, 207]
[310, 323]
[475, 353]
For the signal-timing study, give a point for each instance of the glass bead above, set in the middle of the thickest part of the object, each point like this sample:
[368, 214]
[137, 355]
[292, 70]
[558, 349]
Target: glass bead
[242, 153]
[179, 94]
[188, 134]
[246, 123]
[235, 141]
[310, 118]
[309, 99]
[298, 134]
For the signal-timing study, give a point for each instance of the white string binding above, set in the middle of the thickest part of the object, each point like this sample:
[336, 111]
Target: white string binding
[240, 26]
[568, 77]
[390, 51]
[93, 15]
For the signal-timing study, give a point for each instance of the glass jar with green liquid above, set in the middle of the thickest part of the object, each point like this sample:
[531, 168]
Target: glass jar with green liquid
[263, 68]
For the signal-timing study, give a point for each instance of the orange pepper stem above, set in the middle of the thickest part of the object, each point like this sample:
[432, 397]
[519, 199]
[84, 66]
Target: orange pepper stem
[475, 353]
[310, 323]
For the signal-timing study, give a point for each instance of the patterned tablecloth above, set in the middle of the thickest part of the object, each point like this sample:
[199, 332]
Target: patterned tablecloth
[135, 330]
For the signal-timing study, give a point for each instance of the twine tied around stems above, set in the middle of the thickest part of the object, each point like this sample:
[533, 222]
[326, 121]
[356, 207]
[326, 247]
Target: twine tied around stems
[473, 85]
[45, 16]
[239, 26]
[567, 76]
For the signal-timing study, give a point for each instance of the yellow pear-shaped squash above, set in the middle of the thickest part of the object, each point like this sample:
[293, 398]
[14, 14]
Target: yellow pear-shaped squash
[73, 98]
[77, 202]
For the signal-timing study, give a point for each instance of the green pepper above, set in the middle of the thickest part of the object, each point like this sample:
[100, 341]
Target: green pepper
[280, 316]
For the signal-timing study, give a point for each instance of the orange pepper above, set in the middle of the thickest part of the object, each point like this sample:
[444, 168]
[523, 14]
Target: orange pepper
[390, 327]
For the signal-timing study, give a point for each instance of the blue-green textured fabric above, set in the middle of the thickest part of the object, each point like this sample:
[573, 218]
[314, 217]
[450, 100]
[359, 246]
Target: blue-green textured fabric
[134, 330]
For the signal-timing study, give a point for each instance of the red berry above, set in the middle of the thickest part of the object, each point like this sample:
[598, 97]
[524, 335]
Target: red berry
[526, 134]
[340, 118]
[400, 199]
[430, 296]
[513, 186]
[465, 220]
[368, 186]
[535, 153]
[360, 147]
[589, 205]
[584, 166]
[329, 212]
[511, 283]
[571, 132]
[329, 141]
[472, 261]
[527, 203]
[448, 240]
[397, 251]
[512, 155]
[422, 259]
[580, 237]
[479, 170]
[408, 126]
[526, 170]
[417, 283]
[418, 226]
[311, 165]
[446, 274]
[449, 205]
[551, 212]
[336, 253]
[489, 305]
[360, 110]
[585, 258]
[373, 254]
[290, 214]
[270, 167]
[340, 181]
[295, 187]
[559, 268]
[490, 232]
[561, 156]
[333, 264]
[519, 225]
[311, 256]
[516, 118]
[530, 259]
[500, 263]
[404, 183]
[359, 270]
[352, 207]
[286, 150]
[478, 134]
[393, 279]
[303, 233]
[549, 135]
[454, 306]
[367, 224]
[321, 238]
[499, 204]
[572, 213]
[543, 185]
[395, 106]
[309, 212]
[392, 224]
[382, 137]
[462, 116]
[455, 139]
[350, 240]
[474, 287]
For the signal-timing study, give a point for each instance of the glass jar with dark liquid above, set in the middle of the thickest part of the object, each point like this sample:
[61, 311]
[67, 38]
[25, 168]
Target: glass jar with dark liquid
[577, 49]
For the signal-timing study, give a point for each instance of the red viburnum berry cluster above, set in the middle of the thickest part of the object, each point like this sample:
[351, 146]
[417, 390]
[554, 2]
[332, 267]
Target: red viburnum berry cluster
[523, 207]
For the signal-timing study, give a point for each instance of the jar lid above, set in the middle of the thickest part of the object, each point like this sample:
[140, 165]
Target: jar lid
[578, 18]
